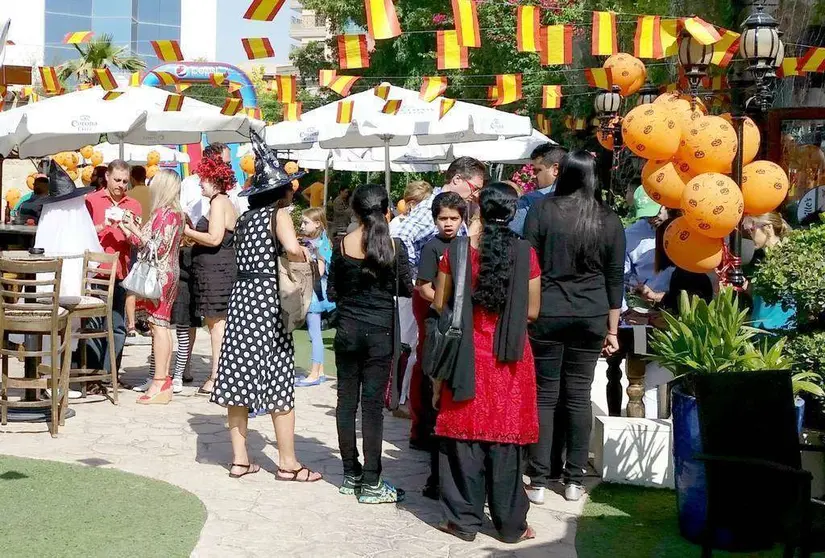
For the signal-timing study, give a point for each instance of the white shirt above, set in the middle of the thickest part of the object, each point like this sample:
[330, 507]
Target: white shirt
[191, 199]
[640, 254]
[241, 203]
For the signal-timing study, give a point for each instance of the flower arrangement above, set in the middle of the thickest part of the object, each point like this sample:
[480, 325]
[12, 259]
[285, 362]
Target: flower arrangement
[525, 178]
[439, 19]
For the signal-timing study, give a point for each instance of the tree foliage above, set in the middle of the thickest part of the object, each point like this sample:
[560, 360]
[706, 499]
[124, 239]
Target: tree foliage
[97, 54]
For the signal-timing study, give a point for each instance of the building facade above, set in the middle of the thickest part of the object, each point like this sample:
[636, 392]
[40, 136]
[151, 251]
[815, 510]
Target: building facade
[306, 26]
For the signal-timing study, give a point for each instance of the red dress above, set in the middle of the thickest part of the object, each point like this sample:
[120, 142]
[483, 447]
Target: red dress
[504, 409]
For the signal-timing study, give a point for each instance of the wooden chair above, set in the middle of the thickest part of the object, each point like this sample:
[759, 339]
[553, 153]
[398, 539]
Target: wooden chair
[96, 302]
[25, 311]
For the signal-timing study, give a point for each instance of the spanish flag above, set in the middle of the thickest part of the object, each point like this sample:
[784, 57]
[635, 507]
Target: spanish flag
[556, 45]
[263, 10]
[392, 107]
[445, 107]
[174, 103]
[234, 87]
[382, 22]
[789, 68]
[255, 112]
[292, 111]
[647, 42]
[231, 106]
[528, 29]
[48, 77]
[287, 88]
[345, 110]
[543, 124]
[813, 61]
[670, 29]
[509, 88]
[382, 91]
[77, 37]
[167, 79]
[135, 79]
[325, 77]
[716, 83]
[352, 52]
[726, 48]
[702, 31]
[492, 93]
[167, 51]
[451, 55]
[432, 88]
[343, 84]
[181, 87]
[604, 40]
[551, 96]
[259, 47]
[106, 79]
[84, 86]
[599, 77]
[112, 95]
[575, 124]
[217, 80]
[465, 14]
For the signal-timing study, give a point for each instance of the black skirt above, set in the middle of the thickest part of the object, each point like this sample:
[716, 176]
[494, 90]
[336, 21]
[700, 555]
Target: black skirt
[183, 311]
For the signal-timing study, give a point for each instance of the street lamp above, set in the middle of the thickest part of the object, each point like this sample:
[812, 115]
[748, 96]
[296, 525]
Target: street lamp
[695, 59]
[647, 94]
[608, 105]
[762, 48]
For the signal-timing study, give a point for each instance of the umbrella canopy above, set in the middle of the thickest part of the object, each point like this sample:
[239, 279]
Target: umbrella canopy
[138, 154]
[73, 120]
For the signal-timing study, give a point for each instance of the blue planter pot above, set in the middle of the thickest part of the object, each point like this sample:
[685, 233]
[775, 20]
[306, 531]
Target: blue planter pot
[800, 414]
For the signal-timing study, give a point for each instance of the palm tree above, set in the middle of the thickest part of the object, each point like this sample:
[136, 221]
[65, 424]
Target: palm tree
[97, 54]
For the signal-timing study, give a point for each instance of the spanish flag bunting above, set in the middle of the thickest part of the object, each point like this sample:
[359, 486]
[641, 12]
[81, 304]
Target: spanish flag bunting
[173, 103]
[135, 79]
[669, 30]
[543, 124]
[34, 97]
[789, 68]
[451, 55]
[231, 106]
[325, 77]
[670, 88]
[3, 90]
[235, 92]
[492, 93]
[85, 86]
[716, 83]
[647, 43]
[181, 87]
[292, 112]
[259, 47]
[263, 10]
[465, 14]
[382, 91]
[272, 86]
[392, 107]
[217, 80]
[528, 29]
[255, 112]
[509, 89]
[813, 60]
[343, 84]
[77, 37]
[287, 88]
[604, 41]
[234, 87]
[352, 52]
[575, 124]
[432, 88]
[345, 110]
[166, 79]
[445, 107]
[382, 22]
[167, 51]
[556, 45]
[48, 77]
[702, 31]
[599, 77]
[112, 95]
[725, 49]
[551, 96]
[106, 79]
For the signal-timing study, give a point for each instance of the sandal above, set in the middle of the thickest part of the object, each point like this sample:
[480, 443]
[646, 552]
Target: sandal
[452, 529]
[528, 534]
[251, 469]
[295, 474]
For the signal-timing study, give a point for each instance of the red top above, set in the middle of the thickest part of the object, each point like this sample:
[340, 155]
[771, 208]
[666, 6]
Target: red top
[112, 239]
[504, 409]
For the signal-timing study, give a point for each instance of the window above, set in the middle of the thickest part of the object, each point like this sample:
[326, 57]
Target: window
[57, 26]
[78, 7]
[112, 8]
[57, 55]
[120, 28]
[163, 12]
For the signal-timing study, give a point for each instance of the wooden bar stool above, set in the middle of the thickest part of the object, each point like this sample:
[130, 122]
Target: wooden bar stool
[28, 312]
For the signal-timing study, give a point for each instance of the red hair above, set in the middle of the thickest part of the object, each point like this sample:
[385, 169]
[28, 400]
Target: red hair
[216, 172]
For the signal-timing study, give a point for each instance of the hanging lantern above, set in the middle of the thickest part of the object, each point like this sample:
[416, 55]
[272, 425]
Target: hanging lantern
[762, 48]
[695, 59]
[608, 103]
[648, 94]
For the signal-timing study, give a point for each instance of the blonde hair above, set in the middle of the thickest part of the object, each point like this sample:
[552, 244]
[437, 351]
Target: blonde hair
[780, 227]
[317, 215]
[417, 191]
[165, 188]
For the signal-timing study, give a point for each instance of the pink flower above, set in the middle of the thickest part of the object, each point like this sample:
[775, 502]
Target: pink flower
[525, 177]
[439, 19]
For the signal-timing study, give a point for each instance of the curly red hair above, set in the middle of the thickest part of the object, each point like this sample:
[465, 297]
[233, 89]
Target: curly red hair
[216, 172]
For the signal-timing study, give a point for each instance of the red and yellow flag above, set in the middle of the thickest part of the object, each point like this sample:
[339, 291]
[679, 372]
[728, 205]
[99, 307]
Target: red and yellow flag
[174, 103]
[77, 37]
[432, 88]
[465, 14]
[382, 91]
[263, 10]
[599, 77]
[167, 51]
[789, 68]
[716, 83]
[702, 31]
[287, 88]
[528, 29]
[726, 48]
[670, 29]
[325, 77]
[492, 93]
[135, 79]
[392, 107]
[112, 95]
[85, 86]
[343, 84]
[254, 112]
[234, 87]
[352, 52]
[382, 23]
[451, 55]
[445, 107]
[604, 41]
[166, 79]
[231, 106]
[181, 87]
[509, 89]
[647, 42]
[345, 110]
[575, 124]
[258, 47]
[292, 111]
[813, 60]
[217, 80]
[551, 96]
[543, 124]
[48, 77]
[556, 45]
[106, 79]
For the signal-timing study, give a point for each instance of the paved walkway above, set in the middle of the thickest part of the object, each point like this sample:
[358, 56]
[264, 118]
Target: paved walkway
[186, 443]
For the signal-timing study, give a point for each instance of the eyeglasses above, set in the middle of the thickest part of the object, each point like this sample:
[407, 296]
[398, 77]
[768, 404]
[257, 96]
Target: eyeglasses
[473, 186]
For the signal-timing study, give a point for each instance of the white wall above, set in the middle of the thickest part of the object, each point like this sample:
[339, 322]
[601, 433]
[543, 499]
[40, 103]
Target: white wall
[199, 29]
[28, 31]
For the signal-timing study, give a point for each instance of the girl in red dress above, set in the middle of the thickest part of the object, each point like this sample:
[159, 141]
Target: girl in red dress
[487, 408]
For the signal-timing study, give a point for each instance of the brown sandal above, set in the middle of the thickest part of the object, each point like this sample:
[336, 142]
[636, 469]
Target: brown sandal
[251, 469]
[295, 474]
[528, 534]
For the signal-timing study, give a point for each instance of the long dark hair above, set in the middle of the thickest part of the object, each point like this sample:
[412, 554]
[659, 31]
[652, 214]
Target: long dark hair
[497, 202]
[579, 195]
[370, 204]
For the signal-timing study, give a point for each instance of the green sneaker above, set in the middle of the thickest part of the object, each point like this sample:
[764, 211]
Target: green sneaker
[351, 485]
[382, 493]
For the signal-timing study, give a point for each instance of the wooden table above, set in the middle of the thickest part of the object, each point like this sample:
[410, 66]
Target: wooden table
[17, 236]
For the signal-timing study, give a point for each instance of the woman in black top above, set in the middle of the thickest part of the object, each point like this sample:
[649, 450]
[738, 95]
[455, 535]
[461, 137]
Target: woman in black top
[581, 247]
[367, 269]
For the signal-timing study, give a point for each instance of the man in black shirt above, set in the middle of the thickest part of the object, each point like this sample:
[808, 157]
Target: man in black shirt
[29, 211]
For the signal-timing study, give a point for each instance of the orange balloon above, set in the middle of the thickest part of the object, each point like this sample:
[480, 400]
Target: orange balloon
[248, 164]
[628, 72]
[72, 160]
[151, 171]
[708, 145]
[73, 174]
[30, 181]
[680, 104]
[690, 250]
[401, 207]
[291, 167]
[712, 204]
[764, 186]
[751, 138]
[86, 175]
[606, 139]
[87, 151]
[97, 159]
[13, 196]
[662, 183]
[651, 132]
[686, 172]
[152, 158]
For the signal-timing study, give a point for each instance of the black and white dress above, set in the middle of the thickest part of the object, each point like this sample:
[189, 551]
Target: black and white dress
[257, 365]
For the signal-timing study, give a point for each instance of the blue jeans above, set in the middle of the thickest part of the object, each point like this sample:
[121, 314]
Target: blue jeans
[314, 327]
[97, 349]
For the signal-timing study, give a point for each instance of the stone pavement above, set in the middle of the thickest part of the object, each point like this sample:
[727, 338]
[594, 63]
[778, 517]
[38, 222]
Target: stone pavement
[186, 443]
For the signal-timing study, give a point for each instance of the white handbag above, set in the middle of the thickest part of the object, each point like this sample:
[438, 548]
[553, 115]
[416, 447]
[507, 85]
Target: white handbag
[144, 278]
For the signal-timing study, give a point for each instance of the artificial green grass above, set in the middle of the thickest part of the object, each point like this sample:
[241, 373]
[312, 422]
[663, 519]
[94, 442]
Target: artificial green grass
[50, 509]
[303, 351]
[633, 522]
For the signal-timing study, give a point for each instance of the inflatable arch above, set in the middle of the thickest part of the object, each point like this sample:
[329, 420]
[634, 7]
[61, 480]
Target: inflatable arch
[200, 72]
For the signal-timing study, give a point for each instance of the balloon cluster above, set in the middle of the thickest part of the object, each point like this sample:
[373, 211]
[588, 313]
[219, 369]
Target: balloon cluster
[70, 161]
[152, 164]
[92, 157]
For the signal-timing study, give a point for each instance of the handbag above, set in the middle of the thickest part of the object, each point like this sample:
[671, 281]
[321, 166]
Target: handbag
[143, 279]
[295, 281]
[443, 334]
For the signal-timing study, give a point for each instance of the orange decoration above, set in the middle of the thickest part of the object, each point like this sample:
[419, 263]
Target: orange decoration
[401, 207]
[764, 186]
[248, 164]
[662, 183]
[72, 160]
[12, 197]
[690, 250]
[686, 172]
[87, 151]
[86, 175]
[606, 139]
[628, 72]
[30, 181]
[97, 159]
[751, 138]
[73, 174]
[651, 132]
[151, 171]
[680, 105]
[152, 158]
[708, 145]
[291, 167]
[712, 204]
[295, 185]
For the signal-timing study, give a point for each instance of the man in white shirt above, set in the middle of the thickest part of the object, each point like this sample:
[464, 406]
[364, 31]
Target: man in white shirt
[191, 198]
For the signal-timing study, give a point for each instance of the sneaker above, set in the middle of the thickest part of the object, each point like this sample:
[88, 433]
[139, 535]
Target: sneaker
[177, 384]
[381, 493]
[144, 386]
[351, 485]
[573, 492]
[535, 494]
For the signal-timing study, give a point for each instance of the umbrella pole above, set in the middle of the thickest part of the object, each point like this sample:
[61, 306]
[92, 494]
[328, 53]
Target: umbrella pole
[326, 179]
[121, 150]
[387, 175]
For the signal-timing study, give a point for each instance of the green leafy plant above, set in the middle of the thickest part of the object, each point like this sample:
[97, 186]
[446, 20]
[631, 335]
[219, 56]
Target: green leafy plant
[806, 382]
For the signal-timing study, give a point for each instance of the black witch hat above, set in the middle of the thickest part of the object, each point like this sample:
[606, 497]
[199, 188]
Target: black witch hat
[269, 174]
[61, 185]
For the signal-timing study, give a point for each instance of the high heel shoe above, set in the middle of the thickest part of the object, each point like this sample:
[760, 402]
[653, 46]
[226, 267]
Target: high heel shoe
[163, 397]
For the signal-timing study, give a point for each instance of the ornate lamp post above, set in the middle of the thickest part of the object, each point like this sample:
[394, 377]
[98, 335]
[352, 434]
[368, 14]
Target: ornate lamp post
[695, 59]
[608, 104]
[647, 94]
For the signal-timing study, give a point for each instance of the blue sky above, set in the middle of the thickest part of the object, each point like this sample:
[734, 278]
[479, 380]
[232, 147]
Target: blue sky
[232, 28]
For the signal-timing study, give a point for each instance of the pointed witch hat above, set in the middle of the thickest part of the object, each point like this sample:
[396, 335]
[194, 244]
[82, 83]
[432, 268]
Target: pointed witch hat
[269, 174]
[61, 185]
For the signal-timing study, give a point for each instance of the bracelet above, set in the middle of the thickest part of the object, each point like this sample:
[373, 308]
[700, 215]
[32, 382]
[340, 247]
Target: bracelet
[613, 333]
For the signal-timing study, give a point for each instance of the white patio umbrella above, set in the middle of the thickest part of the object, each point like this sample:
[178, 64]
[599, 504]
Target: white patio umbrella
[138, 154]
